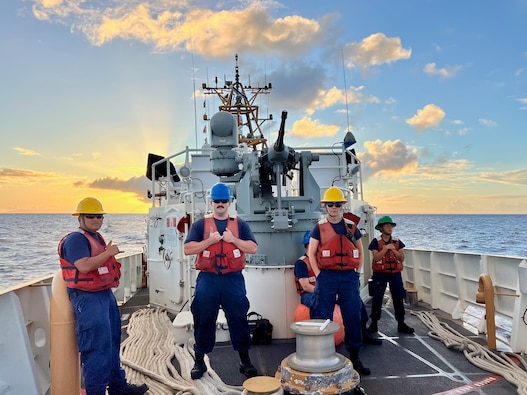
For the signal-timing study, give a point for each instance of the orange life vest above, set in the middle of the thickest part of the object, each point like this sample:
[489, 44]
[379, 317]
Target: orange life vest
[105, 276]
[220, 257]
[337, 252]
[310, 274]
[389, 263]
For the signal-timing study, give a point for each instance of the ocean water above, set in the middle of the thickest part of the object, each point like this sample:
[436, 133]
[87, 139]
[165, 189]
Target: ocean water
[28, 242]
[482, 234]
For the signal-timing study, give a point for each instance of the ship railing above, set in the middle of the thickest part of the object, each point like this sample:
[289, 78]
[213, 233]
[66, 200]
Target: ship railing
[25, 312]
[24, 327]
[165, 188]
[343, 162]
[449, 281]
[348, 166]
[132, 265]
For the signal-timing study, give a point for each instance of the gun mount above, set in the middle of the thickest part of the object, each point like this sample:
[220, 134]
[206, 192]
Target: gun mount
[277, 188]
[274, 188]
[277, 192]
[278, 151]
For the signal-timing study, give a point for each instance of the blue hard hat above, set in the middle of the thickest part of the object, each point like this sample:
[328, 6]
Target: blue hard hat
[220, 191]
[306, 237]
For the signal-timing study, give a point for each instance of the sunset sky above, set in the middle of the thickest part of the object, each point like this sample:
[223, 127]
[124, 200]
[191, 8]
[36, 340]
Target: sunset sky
[436, 94]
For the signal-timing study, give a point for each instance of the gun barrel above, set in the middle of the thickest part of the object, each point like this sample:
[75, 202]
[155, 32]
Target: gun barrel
[279, 143]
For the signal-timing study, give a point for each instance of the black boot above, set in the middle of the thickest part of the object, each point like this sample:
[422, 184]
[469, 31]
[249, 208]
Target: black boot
[246, 367]
[373, 327]
[199, 368]
[403, 328]
[367, 337]
[357, 364]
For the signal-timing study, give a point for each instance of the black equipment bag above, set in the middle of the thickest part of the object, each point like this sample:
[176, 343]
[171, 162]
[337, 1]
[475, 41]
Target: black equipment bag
[261, 329]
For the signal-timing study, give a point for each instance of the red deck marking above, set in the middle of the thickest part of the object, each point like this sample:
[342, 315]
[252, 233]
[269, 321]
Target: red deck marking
[472, 386]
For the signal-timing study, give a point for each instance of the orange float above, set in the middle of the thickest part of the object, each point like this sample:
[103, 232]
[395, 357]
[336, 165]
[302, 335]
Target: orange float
[302, 313]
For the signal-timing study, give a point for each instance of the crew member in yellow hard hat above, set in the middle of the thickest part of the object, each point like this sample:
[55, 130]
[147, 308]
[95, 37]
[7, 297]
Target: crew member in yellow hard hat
[90, 271]
[387, 265]
[336, 256]
[305, 281]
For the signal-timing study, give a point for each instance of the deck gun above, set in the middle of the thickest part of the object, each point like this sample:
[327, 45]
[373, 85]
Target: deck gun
[276, 162]
[274, 189]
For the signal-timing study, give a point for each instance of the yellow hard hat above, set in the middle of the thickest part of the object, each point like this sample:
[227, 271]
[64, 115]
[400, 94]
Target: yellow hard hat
[333, 194]
[89, 205]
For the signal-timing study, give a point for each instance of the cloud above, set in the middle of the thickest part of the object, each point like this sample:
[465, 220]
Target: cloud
[295, 85]
[431, 115]
[388, 159]
[174, 26]
[446, 169]
[8, 175]
[445, 72]
[487, 122]
[520, 71]
[307, 128]
[136, 185]
[375, 50]
[327, 98]
[513, 177]
[25, 151]
[333, 96]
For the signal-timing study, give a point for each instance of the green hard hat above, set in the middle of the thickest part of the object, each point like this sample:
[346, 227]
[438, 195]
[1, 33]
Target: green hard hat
[384, 220]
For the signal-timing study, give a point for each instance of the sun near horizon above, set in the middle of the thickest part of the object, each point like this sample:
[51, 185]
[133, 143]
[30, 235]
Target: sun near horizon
[64, 201]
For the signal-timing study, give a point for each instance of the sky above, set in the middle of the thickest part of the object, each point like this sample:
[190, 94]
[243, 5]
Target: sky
[435, 93]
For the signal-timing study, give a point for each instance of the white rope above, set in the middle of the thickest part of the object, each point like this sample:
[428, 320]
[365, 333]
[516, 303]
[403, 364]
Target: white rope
[147, 354]
[477, 354]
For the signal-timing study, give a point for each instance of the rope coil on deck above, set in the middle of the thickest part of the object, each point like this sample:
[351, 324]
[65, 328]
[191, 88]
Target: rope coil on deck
[478, 355]
[147, 354]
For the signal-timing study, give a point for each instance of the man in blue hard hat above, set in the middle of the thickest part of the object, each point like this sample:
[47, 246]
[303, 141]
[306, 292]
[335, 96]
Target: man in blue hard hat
[221, 242]
[387, 265]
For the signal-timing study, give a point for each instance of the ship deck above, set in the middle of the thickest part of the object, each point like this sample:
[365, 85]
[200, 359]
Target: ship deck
[404, 364]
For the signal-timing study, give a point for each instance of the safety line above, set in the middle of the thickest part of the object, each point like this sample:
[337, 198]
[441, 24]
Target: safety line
[475, 385]
[510, 367]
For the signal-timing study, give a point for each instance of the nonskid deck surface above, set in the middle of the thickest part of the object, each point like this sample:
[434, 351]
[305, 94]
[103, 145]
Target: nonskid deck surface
[404, 364]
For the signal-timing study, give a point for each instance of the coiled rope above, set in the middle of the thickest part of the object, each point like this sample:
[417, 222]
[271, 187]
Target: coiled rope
[148, 353]
[514, 371]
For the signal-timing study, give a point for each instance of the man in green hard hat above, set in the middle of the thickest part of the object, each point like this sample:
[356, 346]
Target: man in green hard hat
[387, 265]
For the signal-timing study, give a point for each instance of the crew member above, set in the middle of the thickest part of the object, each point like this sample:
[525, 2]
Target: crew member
[221, 242]
[336, 256]
[90, 271]
[305, 286]
[387, 265]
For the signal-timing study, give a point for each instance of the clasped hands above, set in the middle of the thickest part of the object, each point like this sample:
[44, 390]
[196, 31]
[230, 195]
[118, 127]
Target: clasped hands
[215, 237]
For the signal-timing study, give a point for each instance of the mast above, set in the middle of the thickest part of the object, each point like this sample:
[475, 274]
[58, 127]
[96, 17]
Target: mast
[239, 100]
